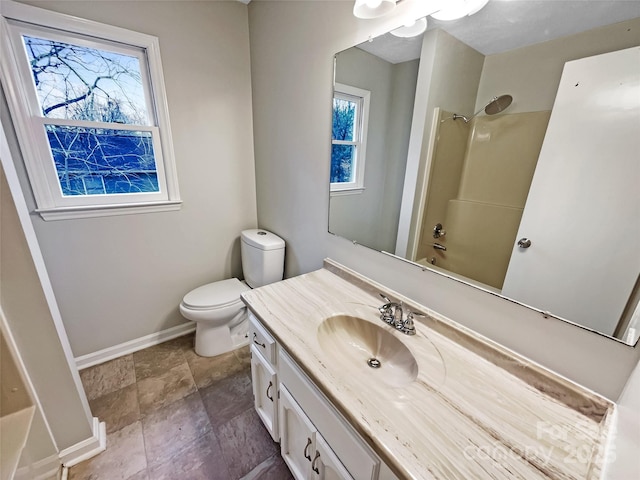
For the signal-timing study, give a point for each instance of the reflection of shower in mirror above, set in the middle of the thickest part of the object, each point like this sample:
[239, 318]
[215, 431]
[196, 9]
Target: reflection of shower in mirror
[496, 105]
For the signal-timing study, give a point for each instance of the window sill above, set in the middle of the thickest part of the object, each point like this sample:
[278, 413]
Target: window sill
[347, 191]
[68, 213]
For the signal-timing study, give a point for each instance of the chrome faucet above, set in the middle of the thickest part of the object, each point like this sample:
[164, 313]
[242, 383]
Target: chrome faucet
[392, 314]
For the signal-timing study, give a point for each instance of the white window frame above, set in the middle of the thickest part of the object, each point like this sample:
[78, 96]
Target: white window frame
[18, 19]
[362, 98]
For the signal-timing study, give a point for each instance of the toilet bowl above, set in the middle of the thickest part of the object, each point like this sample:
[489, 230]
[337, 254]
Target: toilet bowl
[220, 315]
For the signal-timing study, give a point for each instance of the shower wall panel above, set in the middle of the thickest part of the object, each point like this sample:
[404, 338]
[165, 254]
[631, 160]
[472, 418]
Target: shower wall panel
[478, 190]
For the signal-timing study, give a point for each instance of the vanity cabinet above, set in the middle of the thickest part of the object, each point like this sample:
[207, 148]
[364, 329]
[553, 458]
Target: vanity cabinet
[264, 379]
[303, 448]
[316, 441]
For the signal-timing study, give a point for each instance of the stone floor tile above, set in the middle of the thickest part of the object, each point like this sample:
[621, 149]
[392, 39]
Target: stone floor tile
[117, 409]
[169, 430]
[228, 398]
[209, 370]
[154, 361]
[243, 355]
[108, 377]
[200, 460]
[184, 343]
[141, 475]
[123, 458]
[273, 468]
[245, 443]
[164, 389]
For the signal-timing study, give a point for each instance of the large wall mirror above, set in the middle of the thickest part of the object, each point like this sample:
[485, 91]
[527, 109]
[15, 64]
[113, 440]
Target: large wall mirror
[503, 150]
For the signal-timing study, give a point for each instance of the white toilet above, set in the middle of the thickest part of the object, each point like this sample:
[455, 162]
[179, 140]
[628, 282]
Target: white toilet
[220, 316]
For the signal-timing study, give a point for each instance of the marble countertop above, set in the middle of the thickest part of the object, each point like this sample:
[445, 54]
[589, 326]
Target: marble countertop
[476, 410]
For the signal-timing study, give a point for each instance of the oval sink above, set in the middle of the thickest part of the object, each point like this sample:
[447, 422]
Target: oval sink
[367, 350]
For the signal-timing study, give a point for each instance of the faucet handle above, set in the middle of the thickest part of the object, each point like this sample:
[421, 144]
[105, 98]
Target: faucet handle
[408, 326]
[386, 310]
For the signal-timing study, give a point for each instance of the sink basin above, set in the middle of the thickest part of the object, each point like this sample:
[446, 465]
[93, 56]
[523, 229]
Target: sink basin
[367, 350]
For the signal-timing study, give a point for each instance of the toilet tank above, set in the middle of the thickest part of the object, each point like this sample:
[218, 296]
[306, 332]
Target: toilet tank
[262, 257]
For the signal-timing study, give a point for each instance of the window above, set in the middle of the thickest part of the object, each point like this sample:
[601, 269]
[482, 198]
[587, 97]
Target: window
[89, 108]
[349, 139]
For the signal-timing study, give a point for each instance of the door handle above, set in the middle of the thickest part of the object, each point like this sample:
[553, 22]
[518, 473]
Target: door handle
[306, 455]
[313, 464]
[255, 340]
[269, 388]
[524, 243]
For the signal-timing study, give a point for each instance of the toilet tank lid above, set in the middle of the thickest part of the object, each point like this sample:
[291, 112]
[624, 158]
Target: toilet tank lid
[262, 239]
[217, 294]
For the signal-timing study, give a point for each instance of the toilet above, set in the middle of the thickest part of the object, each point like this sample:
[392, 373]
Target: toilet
[220, 315]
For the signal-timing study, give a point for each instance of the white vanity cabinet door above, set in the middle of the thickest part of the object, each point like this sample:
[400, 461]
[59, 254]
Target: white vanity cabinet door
[265, 396]
[325, 464]
[297, 436]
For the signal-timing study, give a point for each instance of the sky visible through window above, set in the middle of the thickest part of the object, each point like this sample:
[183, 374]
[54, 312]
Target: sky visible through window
[79, 83]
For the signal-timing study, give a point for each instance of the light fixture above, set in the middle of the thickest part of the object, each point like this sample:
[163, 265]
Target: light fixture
[373, 8]
[456, 9]
[412, 29]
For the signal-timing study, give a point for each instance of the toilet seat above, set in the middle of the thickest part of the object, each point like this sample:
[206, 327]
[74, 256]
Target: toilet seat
[212, 296]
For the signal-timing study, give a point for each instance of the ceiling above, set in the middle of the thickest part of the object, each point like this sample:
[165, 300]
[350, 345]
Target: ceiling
[505, 25]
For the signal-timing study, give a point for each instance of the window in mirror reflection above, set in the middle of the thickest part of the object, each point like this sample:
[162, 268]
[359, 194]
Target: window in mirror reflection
[349, 138]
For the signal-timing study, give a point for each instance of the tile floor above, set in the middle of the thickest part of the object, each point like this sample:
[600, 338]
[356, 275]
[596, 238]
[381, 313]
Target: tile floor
[171, 414]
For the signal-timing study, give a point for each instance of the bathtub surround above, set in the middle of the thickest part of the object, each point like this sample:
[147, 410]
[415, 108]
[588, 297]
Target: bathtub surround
[480, 189]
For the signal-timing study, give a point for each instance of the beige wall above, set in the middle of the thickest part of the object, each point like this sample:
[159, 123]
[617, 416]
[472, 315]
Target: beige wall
[121, 278]
[300, 39]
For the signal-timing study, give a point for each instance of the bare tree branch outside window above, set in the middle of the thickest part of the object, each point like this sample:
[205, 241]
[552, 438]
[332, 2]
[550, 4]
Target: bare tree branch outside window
[79, 83]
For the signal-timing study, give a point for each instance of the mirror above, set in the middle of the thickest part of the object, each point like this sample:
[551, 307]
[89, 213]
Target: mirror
[471, 187]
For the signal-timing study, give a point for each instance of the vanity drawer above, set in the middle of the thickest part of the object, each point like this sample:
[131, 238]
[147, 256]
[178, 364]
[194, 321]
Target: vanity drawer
[262, 340]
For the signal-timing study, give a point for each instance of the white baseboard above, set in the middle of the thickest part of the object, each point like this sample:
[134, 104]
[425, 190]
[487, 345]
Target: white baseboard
[87, 448]
[131, 346]
[46, 469]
